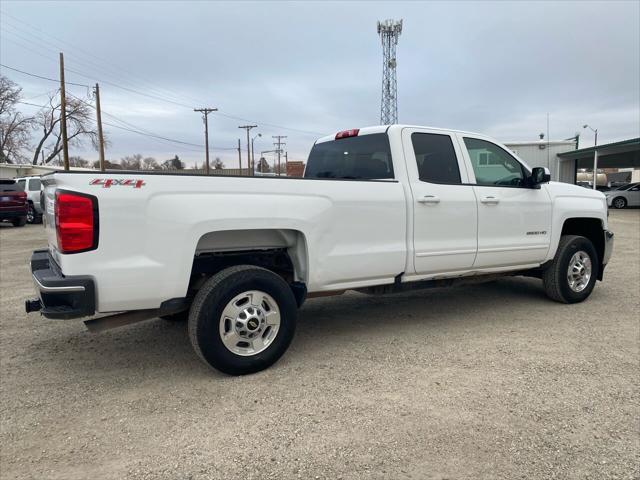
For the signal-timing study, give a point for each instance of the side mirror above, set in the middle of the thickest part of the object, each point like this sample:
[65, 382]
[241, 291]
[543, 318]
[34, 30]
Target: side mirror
[540, 175]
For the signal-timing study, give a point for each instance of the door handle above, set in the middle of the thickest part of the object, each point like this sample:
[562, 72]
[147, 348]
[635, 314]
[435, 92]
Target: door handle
[490, 200]
[429, 199]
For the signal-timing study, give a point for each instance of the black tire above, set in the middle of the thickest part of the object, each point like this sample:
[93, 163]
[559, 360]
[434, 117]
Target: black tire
[213, 297]
[32, 215]
[619, 202]
[19, 222]
[554, 278]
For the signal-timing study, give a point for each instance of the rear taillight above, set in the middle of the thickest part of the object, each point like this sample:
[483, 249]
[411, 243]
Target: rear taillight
[76, 222]
[22, 196]
[347, 133]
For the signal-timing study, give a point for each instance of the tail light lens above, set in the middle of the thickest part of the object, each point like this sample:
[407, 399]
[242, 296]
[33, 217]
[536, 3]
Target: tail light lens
[22, 196]
[76, 217]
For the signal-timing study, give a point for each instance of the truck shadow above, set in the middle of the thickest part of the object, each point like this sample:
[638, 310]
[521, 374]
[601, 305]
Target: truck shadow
[162, 349]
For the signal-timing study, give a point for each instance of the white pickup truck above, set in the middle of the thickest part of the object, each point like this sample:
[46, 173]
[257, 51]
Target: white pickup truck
[380, 210]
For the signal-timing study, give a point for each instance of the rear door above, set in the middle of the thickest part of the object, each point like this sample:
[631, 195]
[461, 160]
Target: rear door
[514, 221]
[444, 206]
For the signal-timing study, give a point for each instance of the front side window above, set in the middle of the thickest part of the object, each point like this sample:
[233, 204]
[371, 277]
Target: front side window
[492, 165]
[367, 157]
[436, 158]
[34, 185]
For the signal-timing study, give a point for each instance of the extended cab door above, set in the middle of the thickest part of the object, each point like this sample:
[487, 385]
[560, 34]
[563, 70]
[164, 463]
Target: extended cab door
[514, 220]
[444, 208]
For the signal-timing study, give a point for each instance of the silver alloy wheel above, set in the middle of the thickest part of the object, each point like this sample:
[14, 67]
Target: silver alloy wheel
[619, 203]
[31, 214]
[249, 323]
[579, 271]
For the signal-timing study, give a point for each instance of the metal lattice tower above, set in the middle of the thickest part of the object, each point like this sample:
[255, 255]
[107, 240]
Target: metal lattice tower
[389, 31]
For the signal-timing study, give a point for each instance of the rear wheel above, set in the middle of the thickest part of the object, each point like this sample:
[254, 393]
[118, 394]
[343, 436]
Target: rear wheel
[19, 222]
[619, 202]
[32, 215]
[572, 275]
[242, 320]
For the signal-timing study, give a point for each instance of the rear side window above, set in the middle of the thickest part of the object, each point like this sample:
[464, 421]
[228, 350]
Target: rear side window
[34, 185]
[10, 186]
[367, 157]
[436, 158]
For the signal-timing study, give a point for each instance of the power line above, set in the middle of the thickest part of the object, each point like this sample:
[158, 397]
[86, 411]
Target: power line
[89, 57]
[132, 130]
[41, 77]
[234, 117]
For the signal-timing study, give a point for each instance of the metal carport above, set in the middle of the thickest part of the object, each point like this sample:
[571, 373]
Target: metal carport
[624, 154]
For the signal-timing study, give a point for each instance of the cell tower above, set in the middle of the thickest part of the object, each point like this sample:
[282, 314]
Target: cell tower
[389, 31]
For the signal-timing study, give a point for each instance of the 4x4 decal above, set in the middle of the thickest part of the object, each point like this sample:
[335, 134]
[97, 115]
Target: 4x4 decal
[123, 182]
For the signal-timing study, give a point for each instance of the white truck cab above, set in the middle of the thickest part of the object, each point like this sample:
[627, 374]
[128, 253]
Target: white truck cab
[380, 210]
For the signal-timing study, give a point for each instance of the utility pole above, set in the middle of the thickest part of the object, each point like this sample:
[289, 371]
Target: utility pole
[286, 163]
[279, 143]
[100, 135]
[249, 162]
[63, 116]
[205, 115]
[239, 157]
[253, 155]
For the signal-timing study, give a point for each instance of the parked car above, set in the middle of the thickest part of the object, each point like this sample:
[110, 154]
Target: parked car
[32, 186]
[380, 210]
[13, 203]
[625, 196]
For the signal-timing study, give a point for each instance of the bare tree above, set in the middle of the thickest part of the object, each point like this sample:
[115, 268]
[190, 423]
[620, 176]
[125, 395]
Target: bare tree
[15, 128]
[263, 166]
[173, 164]
[218, 164]
[150, 163]
[80, 126]
[108, 165]
[132, 162]
[78, 161]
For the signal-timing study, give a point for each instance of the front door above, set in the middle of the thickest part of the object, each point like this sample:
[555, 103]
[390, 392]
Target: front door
[444, 208]
[514, 220]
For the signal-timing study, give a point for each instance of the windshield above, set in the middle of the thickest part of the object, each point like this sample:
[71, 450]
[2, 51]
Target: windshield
[10, 186]
[366, 157]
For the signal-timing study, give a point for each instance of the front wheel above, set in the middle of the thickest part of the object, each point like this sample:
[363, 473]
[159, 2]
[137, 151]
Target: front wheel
[242, 320]
[572, 275]
[619, 202]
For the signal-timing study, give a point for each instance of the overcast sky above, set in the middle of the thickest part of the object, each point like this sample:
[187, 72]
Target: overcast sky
[490, 67]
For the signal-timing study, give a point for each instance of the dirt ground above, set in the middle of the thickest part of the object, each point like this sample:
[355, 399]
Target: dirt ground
[489, 381]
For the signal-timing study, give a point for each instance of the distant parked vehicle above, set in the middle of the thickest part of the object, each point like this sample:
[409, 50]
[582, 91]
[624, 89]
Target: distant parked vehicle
[625, 196]
[32, 186]
[13, 203]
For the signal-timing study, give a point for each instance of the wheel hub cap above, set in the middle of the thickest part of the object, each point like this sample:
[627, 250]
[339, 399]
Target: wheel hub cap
[579, 271]
[249, 323]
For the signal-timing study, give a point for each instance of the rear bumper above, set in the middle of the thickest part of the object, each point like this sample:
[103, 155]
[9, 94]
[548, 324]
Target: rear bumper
[11, 214]
[61, 297]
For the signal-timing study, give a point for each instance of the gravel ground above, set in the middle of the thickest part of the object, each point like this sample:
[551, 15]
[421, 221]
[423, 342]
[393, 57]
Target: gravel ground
[489, 381]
